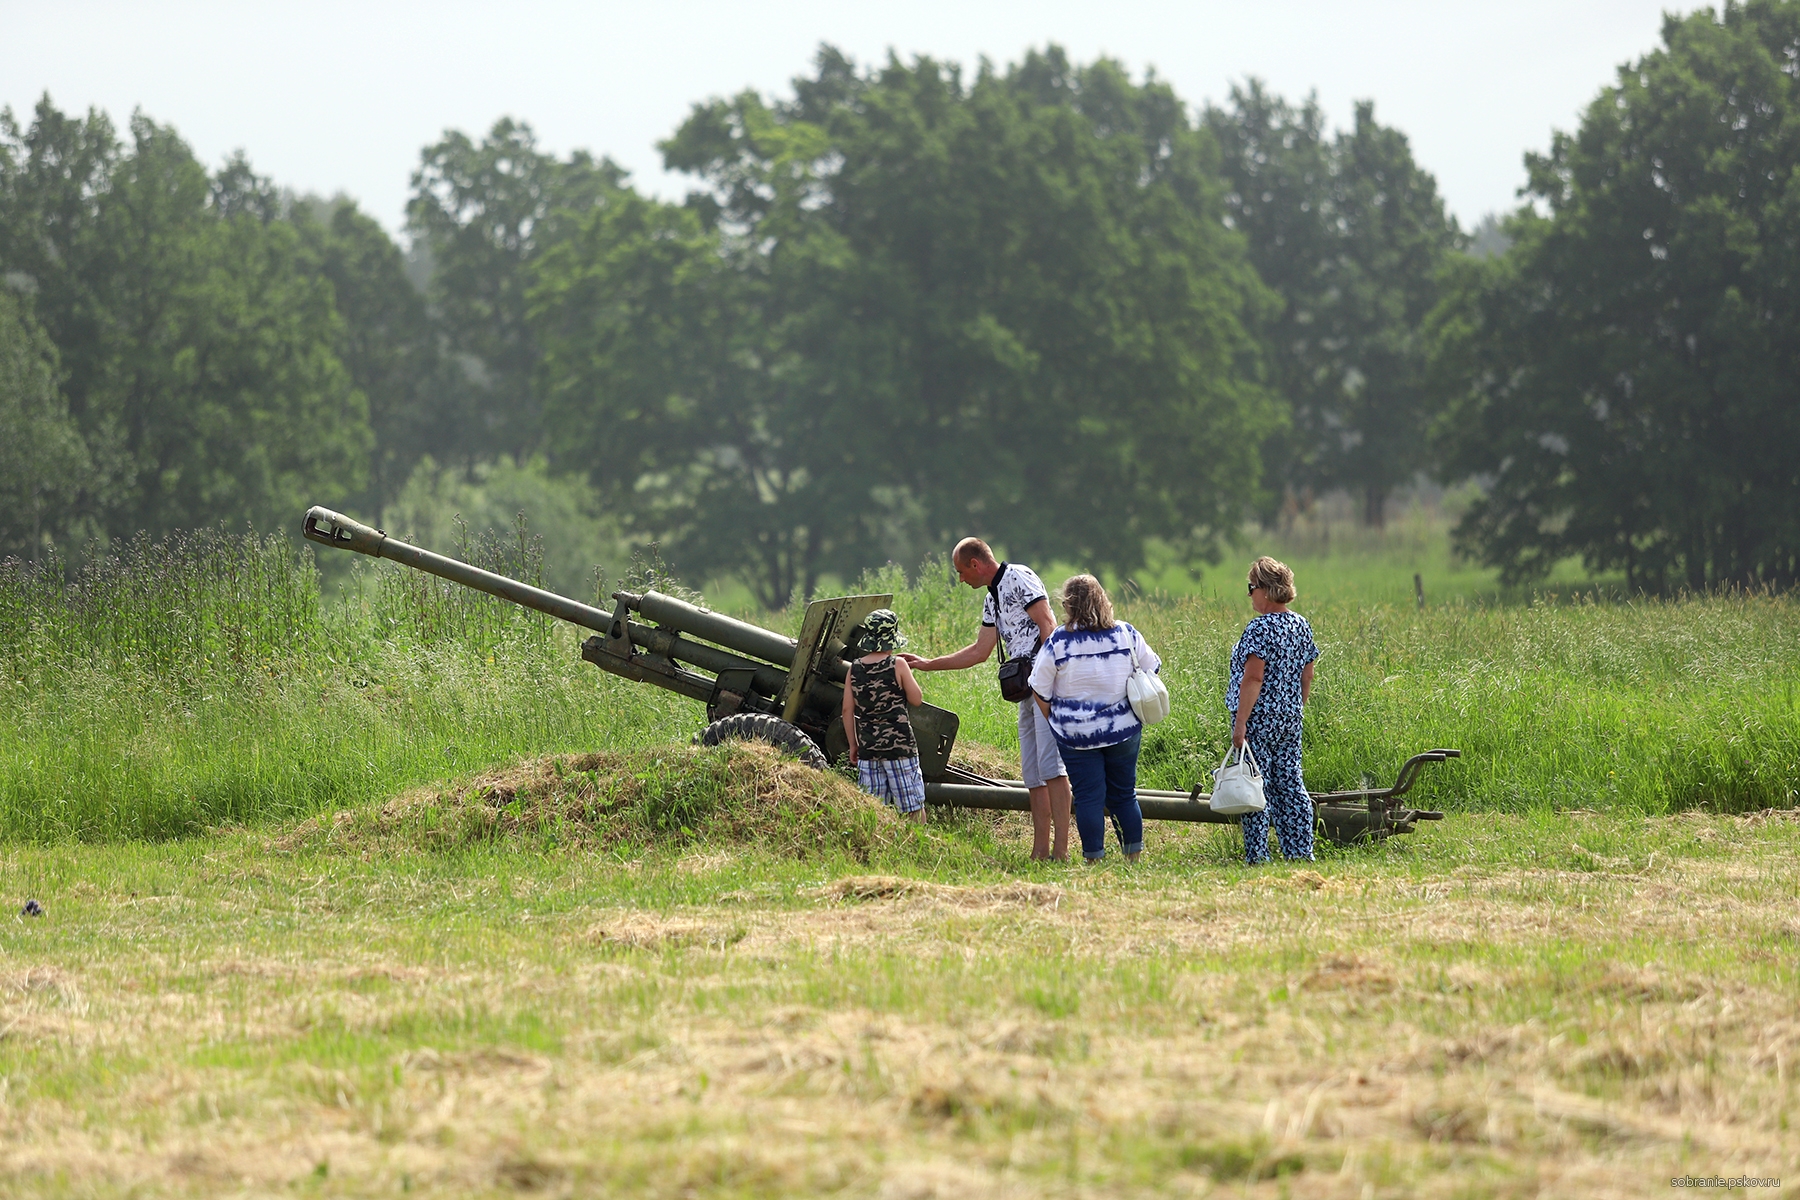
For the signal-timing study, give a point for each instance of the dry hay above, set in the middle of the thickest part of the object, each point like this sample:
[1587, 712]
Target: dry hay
[1363, 1081]
[1330, 1033]
[738, 794]
[647, 931]
[893, 887]
[1302, 880]
[1769, 816]
[1347, 972]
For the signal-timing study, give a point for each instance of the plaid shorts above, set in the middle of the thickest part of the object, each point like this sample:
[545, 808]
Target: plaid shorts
[895, 781]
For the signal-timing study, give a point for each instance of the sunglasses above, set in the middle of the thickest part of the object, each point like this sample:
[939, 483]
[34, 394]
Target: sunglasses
[1252, 589]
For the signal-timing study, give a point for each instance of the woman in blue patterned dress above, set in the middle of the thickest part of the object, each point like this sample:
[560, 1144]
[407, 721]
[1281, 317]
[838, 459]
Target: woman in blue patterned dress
[1271, 681]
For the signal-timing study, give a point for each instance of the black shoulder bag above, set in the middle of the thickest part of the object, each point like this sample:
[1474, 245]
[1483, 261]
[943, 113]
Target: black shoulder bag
[1015, 673]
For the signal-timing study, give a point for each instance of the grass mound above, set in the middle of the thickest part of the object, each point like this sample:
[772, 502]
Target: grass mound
[739, 794]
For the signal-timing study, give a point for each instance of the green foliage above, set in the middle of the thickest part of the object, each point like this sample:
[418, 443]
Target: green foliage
[442, 507]
[45, 467]
[645, 376]
[197, 343]
[482, 212]
[1353, 236]
[1625, 372]
[899, 297]
[420, 405]
[194, 682]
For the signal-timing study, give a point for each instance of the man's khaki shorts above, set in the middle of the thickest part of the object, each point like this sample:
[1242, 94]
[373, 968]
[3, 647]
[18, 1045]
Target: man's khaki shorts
[1039, 761]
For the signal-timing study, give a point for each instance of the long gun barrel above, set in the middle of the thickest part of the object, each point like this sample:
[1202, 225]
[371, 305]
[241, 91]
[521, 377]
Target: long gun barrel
[335, 529]
[751, 669]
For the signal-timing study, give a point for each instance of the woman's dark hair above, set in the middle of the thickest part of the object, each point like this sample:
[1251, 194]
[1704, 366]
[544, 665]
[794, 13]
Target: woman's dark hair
[1085, 604]
[1277, 578]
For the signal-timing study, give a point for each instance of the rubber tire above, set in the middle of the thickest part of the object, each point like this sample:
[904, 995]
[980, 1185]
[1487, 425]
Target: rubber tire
[762, 727]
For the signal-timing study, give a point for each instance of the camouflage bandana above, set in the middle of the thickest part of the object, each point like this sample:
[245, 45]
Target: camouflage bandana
[881, 632]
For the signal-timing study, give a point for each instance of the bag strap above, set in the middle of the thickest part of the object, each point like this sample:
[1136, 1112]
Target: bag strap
[1244, 754]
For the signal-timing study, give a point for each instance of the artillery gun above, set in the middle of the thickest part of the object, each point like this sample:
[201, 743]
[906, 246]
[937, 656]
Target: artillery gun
[757, 684]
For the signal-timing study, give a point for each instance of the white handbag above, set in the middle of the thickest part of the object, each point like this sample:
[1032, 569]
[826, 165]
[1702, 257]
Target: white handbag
[1149, 698]
[1237, 786]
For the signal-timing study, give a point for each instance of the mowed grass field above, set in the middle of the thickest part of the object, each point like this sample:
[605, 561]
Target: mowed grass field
[1502, 1006]
[391, 896]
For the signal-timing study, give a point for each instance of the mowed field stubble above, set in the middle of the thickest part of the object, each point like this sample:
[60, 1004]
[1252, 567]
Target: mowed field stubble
[392, 895]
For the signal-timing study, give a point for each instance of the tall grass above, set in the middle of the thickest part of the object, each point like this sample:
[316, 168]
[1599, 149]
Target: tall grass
[205, 679]
[182, 607]
[427, 610]
[1648, 706]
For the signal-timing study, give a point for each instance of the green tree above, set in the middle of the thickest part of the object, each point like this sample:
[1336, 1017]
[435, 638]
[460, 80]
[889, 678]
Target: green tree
[1625, 373]
[196, 341]
[482, 212]
[905, 307]
[45, 470]
[1279, 165]
[1354, 237]
[652, 384]
[419, 405]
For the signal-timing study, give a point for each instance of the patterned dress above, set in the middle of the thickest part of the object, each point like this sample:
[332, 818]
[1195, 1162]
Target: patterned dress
[1284, 641]
[887, 756]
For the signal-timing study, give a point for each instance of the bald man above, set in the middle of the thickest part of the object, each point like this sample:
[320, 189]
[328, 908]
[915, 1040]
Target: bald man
[1023, 619]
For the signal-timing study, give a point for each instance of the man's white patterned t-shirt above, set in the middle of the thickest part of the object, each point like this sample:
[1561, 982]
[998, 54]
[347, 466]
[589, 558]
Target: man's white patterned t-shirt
[1019, 589]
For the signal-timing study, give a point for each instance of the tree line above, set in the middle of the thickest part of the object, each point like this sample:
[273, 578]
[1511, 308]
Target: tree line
[1048, 302]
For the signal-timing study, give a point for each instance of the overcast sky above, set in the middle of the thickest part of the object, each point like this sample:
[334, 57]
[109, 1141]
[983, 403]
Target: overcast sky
[336, 97]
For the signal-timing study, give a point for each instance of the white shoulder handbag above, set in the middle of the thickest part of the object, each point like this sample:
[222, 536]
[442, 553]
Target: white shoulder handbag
[1149, 698]
[1237, 787]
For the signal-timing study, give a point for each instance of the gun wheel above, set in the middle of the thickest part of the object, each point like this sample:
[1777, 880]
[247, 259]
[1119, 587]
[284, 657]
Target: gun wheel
[761, 727]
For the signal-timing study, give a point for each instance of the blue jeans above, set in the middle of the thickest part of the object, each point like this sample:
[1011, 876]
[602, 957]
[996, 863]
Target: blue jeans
[1104, 781]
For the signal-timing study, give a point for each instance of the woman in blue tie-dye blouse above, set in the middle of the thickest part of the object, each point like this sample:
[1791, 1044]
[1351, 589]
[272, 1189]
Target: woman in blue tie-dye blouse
[1079, 678]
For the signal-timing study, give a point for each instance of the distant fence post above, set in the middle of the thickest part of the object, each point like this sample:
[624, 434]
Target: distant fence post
[1419, 590]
